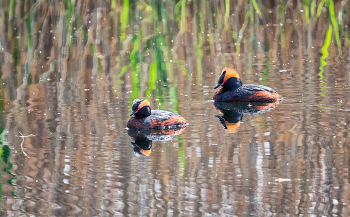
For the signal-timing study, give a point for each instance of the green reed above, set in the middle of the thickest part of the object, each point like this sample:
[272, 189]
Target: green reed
[256, 7]
[182, 159]
[152, 79]
[183, 15]
[10, 17]
[199, 53]
[281, 13]
[158, 43]
[227, 13]
[251, 38]
[266, 70]
[6, 158]
[240, 34]
[325, 54]
[1, 156]
[124, 17]
[29, 30]
[134, 64]
[307, 10]
[5, 155]
[161, 16]
[335, 24]
[155, 44]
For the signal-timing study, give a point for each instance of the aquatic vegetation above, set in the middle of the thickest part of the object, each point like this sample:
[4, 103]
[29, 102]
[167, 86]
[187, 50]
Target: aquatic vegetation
[71, 69]
[80, 25]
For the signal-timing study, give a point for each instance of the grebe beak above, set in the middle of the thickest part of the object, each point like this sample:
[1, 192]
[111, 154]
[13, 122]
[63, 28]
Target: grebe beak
[218, 85]
[132, 113]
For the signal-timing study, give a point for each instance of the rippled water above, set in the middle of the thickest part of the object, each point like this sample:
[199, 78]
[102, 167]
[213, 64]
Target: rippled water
[69, 74]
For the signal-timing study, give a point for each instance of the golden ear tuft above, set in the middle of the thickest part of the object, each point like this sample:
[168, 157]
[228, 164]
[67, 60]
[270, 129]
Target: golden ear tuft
[230, 73]
[232, 127]
[145, 152]
[144, 102]
[135, 100]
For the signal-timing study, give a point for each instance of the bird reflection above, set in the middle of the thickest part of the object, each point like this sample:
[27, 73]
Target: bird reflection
[143, 138]
[233, 112]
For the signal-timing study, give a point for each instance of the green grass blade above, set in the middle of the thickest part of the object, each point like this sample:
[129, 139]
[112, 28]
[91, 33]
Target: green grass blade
[256, 8]
[335, 25]
[240, 35]
[199, 59]
[122, 72]
[325, 53]
[113, 4]
[10, 11]
[183, 16]
[319, 10]
[152, 79]
[181, 156]
[174, 99]
[227, 13]
[124, 16]
[177, 10]
[281, 11]
[312, 7]
[307, 10]
[344, 34]
[134, 62]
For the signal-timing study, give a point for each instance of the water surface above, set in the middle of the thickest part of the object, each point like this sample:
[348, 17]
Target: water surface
[71, 70]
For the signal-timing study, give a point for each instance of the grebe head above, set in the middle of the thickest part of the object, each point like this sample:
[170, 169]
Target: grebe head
[142, 147]
[141, 108]
[229, 79]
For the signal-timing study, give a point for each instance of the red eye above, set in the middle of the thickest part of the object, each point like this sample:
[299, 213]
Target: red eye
[224, 81]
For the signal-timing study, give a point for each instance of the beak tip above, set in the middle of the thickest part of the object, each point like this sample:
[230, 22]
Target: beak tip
[218, 85]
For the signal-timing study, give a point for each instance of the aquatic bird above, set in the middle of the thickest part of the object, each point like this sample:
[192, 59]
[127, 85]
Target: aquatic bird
[232, 113]
[233, 91]
[145, 118]
[142, 147]
[143, 138]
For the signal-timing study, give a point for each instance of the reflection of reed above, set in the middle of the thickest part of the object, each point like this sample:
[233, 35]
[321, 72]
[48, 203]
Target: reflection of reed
[295, 160]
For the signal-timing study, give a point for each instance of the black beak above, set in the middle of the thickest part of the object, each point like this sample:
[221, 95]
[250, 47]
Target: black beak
[218, 85]
[222, 121]
[132, 113]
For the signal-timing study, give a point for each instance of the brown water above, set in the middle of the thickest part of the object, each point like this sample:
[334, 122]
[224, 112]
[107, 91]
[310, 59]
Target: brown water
[69, 97]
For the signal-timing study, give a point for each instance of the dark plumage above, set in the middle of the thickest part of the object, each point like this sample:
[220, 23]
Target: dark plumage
[143, 138]
[233, 91]
[233, 112]
[145, 118]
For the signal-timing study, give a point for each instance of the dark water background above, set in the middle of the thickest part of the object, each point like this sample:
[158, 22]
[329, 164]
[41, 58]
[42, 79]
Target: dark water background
[71, 69]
